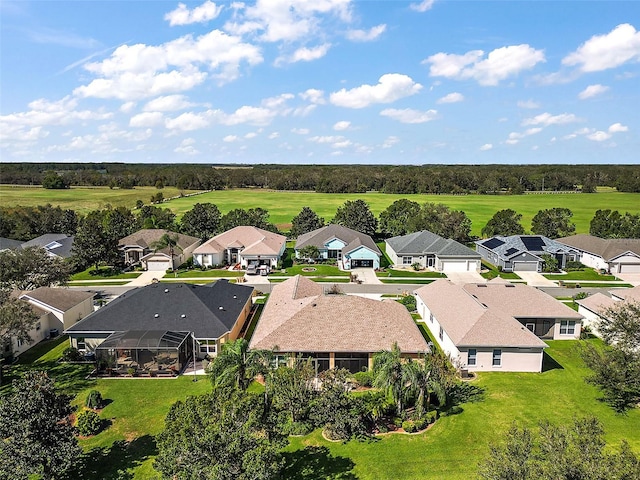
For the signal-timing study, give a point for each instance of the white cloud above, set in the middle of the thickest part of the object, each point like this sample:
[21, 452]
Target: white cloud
[499, 64]
[599, 136]
[486, 146]
[342, 144]
[300, 131]
[250, 115]
[454, 97]
[546, 119]
[327, 139]
[186, 147]
[250, 135]
[127, 107]
[313, 95]
[610, 50]
[304, 54]
[592, 91]
[142, 71]
[147, 119]
[390, 87]
[183, 16]
[423, 6]
[187, 121]
[291, 20]
[168, 103]
[530, 104]
[366, 35]
[515, 137]
[409, 115]
[390, 141]
[618, 127]
[273, 136]
[230, 138]
[341, 125]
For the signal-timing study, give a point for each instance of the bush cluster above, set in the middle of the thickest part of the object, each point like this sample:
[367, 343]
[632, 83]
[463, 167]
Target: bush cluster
[364, 379]
[71, 354]
[89, 423]
[94, 399]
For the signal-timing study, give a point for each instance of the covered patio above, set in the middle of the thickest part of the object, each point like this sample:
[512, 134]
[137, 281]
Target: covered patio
[148, 352]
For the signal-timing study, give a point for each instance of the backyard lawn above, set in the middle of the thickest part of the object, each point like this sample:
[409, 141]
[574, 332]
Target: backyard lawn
[450, 449]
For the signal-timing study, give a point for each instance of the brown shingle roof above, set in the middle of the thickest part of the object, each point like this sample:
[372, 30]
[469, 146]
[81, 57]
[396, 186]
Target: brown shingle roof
[255, 241]
[62, 299]
[607, 248]
[293, 322]
[597, 303]
[147, 236]
[627, 294]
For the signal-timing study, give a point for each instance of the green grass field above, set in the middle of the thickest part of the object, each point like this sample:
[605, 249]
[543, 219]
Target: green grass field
[451, 449]
[284, 205]
[586, 274]
[103, 273]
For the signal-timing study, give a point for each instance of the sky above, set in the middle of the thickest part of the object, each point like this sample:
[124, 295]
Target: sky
[320, 82]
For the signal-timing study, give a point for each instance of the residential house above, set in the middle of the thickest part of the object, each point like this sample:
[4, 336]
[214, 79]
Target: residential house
[244, 245]
[56, 244]
[616, 255]
[350, 249]
[432, 251]
[57, 309]
[176, 317]
[594, 307]
[524, 252]
[495, 326]
[138, 248]
[341, 331]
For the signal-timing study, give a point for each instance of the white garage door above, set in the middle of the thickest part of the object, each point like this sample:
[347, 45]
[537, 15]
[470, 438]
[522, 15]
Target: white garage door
[630, 268]
[454, 266]
[157, 266]
[525, 266]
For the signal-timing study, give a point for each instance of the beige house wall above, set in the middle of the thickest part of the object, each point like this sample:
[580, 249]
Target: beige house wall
[38, 333]
[513, 360]
[575, 336]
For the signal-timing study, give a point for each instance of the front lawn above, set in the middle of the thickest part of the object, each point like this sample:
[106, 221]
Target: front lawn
[319, 270]
[493, 272]
[197, 273]
[586, 274]
[412, 281]
[103, 273]
[393, 272]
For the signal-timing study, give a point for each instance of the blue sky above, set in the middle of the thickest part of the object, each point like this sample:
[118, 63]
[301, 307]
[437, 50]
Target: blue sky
[320, 81]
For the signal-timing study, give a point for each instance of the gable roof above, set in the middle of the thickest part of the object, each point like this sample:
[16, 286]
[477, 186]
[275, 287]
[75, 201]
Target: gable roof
[58, 244]
[352, 238]
[424, 242]
[509, 247]
[61, 299]
[298, 317]
[147, 236]
[171, 307]
[607, 248]
[253, 240]
[486, 314]
[598, 303]
[627, 294]
[9, 243]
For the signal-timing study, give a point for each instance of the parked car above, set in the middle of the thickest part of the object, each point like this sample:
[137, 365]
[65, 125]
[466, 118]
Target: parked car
[251, 269]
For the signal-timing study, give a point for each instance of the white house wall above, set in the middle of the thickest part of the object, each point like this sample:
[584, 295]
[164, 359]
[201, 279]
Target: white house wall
[446, 343]
[393, 256]
[38, 333]
[591, 319]
[207, 259]
[593, 261]
[513, 360]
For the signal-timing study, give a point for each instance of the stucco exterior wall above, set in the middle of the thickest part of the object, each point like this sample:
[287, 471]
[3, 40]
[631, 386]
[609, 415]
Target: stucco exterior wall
[513, 359]
[208, 259]
[38, 333]
[567, 336]
[433, 325]
[593, 261]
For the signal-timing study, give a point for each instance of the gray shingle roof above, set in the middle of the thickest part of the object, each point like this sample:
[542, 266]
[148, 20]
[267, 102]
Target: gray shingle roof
[351, 238]
[9, 244]
[516, 244]
[179, 307]
[606, 248]
[62, 299]
[59, 244]
[424, 242]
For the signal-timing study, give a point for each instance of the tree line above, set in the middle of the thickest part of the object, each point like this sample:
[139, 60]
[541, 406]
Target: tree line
[427, 179]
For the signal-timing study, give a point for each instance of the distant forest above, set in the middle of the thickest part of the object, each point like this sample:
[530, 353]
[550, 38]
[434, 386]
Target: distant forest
[431, 179]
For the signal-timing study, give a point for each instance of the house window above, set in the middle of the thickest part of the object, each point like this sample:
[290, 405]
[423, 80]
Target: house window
[441, 333]
[81, 344]
[38, 326]
[208, 346]
[19, 342]
[497, 358]
[471, 357]
[567, 327]
[407, 260]
[431, 317]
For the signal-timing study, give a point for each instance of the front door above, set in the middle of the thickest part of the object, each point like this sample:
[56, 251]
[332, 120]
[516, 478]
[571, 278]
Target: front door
[431, 261]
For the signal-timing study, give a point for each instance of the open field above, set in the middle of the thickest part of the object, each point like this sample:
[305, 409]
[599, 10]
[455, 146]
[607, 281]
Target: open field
[451, 449]
[284, 205]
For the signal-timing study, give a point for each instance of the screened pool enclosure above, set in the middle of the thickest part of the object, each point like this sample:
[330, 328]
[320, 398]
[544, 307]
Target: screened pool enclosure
[144, 352]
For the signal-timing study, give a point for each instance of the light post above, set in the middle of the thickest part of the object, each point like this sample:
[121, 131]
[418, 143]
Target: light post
[193, 339]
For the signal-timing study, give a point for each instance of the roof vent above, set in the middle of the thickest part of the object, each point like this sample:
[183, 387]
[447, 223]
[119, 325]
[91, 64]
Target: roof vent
[166, 290]
[235, 296]
[483, 285]
[183, 316]
[220, 307]
[510, 285]
[156, 315]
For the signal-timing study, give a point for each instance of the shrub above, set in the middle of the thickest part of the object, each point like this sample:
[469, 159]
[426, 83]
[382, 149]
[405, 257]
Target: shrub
[364, 379]
[573, 266]
[71, 354]
[131, 371]
[89, 423]
[431, 416]
[409, 426]
[297, 428]
[397, 421]
[416, 266]
[408, 301]
[421, 423]
[94, 399]
[580, 295]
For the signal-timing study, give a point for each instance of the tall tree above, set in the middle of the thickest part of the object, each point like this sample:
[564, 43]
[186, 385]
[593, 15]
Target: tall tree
[120, 222]
[390, 375]
[92, 244]
[202, 221]
[31, 268]
[236, 366]
[156, 217]
[504, 222]
[553, 223]
[17, 319]
[432, 373]
[306, 221]
[52, 180]
[167, 241]
[441, 220]
[36, 435]
[255, 217]
[395, 219]
[220, 435]
[610, 224]
[357, 215]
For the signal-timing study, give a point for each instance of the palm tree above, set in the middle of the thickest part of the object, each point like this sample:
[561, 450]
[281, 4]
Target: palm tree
[421, 377]
[167, 240]
[389, 375]
[237, 366]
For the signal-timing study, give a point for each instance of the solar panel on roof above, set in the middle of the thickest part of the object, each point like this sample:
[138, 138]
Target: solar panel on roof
[511, 251]
[493, 243]
[533, 243]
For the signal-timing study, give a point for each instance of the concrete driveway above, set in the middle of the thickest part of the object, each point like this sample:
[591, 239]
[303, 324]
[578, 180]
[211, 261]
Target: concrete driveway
[534, 279]
[462, 278]
[145, 278]
[367, 275]
[632, 278]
